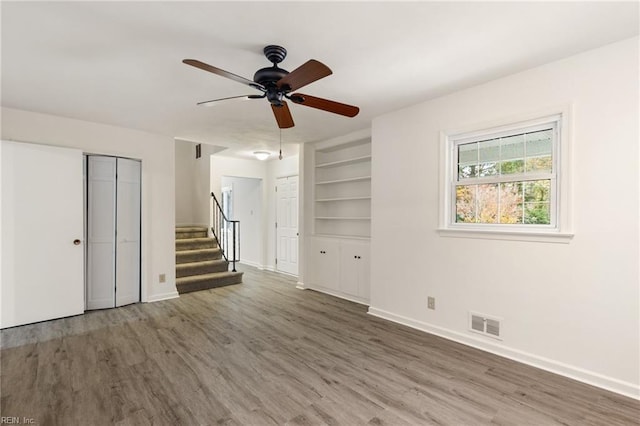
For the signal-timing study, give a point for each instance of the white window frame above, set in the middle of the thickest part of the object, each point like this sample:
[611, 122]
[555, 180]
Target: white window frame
[559, 230]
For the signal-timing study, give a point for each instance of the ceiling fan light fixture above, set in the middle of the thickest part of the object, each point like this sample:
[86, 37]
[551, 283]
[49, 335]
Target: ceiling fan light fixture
[262, 155]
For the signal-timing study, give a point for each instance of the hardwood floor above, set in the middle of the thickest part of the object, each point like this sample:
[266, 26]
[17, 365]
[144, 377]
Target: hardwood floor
[263, 353]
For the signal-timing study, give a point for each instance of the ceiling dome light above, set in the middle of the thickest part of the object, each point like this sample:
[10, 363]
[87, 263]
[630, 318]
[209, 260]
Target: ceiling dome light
[262, 155]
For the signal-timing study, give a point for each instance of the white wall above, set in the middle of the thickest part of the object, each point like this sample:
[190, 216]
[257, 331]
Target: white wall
[577, 311]
[185, 154]
[193, 193]
[157, 155]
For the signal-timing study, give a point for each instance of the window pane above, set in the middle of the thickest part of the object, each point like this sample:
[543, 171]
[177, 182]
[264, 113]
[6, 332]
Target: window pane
[488, 169]
[489, 151]
[511, 202]
[489, 157]
[537, 213]
[539, 146]
[468, 153]
[487, 203]
[467, 160]
[537, 206]
[539, 164]
[512, 147]
[537, 190]
[469, 171]
[466, 203]
[513, 166]
[538, 143]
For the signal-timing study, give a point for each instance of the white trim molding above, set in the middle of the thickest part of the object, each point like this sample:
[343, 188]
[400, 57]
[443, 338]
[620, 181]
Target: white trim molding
[489, 345]
[163, 296]
[561, 230]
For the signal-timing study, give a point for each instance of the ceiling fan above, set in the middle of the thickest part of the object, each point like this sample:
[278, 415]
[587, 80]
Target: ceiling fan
[276, 84]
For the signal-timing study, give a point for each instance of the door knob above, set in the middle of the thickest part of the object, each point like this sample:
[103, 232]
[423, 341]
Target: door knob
[76, 242]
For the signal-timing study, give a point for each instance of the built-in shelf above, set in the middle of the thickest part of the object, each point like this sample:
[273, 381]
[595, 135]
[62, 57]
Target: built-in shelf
[354, 179]
[327, 200]
[342, 188]
[345, 162]
[341, 218]
[341, 236]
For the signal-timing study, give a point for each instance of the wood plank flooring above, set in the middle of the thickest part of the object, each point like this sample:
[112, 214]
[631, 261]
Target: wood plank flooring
[265, 353]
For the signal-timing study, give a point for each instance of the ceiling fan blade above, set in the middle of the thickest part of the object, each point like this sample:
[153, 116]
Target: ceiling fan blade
[325, 105]
[306, 73]
[221, 72]
[283, 115]
[241, 97]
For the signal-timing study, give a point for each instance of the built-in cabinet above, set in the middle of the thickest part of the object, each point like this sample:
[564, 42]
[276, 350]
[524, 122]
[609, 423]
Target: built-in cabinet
[338, 174]
[340, 267]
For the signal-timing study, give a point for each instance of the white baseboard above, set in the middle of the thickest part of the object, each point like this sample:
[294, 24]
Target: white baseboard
[334, 293]
[300, 285]
[163, 296]
[592, 378]
[251, 263]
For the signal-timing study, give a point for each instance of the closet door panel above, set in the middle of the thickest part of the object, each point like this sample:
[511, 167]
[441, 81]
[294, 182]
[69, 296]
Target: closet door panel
[128, 232]
[101, 210]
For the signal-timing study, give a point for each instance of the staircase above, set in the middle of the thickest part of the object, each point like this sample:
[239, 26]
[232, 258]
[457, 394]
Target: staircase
[199, 261]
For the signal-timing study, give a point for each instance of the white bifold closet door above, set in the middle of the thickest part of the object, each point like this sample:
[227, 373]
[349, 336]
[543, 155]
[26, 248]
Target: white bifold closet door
[113, 232]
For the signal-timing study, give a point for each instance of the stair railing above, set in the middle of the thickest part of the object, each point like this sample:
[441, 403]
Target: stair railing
[227, 232]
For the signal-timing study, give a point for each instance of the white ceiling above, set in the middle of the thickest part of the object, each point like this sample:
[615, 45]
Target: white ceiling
[120, 62]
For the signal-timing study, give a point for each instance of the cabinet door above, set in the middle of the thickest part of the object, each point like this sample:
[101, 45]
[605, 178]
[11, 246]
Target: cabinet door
[364, 268]
[354, 269]
[324, 263]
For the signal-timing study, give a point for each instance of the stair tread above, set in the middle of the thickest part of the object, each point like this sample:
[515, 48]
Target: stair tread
[212, 250]
[197, 239]
[201, 263]
[206, 277]
[191, 228]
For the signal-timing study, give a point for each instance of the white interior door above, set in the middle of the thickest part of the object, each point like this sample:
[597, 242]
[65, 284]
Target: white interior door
[101, 228]
[128, 232]
[287, 225]
[42, 228]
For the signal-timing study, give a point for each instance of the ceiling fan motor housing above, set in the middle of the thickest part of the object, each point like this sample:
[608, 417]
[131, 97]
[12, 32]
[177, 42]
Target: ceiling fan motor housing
[268, 75]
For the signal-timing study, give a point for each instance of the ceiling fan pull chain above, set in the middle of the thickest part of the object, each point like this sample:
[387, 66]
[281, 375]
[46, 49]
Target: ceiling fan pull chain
[280, 156]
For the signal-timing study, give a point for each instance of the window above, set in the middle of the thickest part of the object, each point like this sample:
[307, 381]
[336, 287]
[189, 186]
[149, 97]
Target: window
[505, 179]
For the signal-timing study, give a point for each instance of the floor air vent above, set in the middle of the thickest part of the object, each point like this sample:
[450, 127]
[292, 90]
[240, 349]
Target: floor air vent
[483, 324]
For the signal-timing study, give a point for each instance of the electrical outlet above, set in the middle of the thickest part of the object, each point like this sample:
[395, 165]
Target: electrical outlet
[162, 278]
[431, 302]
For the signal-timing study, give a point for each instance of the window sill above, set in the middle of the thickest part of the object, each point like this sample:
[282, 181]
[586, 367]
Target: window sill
[493, 234]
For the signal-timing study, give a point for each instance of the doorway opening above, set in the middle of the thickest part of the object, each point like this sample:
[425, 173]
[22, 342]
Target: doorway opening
[242, 200]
